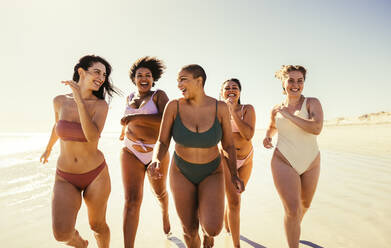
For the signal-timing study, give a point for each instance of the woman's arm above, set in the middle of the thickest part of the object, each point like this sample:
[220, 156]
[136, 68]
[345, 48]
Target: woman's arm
[163, 142]
[272, 130]
[312, 125]
[227, 142]
[53, 136]
[92, 125]
[247, 125]
[152, 119]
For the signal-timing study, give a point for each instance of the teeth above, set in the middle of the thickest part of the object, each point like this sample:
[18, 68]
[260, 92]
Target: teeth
[231, 95]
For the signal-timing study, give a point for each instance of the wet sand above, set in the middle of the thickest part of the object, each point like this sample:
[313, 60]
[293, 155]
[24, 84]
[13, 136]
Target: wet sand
[350, 207]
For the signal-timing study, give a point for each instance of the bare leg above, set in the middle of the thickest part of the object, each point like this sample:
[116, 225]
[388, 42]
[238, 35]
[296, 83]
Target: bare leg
[66, 202]
[159, 187]
[288, 185]
[309, 181]
[232, 213]
[133, 173]
[95, 197]
[211, 205]
[186, 204]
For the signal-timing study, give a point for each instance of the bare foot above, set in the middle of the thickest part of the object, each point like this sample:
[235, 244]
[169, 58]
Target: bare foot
[208, 241]
[166, 224]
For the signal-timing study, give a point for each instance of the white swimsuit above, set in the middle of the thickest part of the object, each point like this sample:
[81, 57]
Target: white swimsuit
[299, 147]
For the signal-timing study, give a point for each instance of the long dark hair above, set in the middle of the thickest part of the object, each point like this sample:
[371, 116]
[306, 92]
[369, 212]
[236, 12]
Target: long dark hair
[107, 87]
[233, 80]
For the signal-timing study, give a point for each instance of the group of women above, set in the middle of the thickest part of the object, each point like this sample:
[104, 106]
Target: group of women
[212, 159]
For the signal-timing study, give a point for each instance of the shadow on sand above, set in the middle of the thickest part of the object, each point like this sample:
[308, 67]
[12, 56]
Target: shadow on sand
[250, 242]
[176, 241]
[310, 244]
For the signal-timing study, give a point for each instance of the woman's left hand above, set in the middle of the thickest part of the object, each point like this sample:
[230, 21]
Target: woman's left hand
[238, 183]
[75, 88]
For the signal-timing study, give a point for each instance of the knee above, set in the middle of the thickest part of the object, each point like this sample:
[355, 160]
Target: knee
[190, 231]
[305, 204]
[161, 195]
[212, 229]
[133, 201]
[293, 211]
[63, 234]
[234, 204]
[99, 227]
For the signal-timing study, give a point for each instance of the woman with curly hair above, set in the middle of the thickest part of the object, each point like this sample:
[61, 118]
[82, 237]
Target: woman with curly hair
[141, 123]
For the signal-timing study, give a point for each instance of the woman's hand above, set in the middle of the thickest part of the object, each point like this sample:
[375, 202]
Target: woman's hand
[126, 119]
[238, 183]
[154, 170]
[284, 111]
[122, 136]
[267, 142]
[45, 156]
[75, 88]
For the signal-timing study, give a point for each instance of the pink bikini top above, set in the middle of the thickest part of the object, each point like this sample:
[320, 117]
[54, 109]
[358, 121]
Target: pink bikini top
[234, 127]
[70, 131]
[146, 109]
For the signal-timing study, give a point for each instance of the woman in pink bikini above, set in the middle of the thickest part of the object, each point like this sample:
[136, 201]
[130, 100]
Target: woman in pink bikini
[141, 123]
[81, 168]
[243, 127]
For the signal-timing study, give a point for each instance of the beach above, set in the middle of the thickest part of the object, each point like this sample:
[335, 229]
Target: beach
[350, 207]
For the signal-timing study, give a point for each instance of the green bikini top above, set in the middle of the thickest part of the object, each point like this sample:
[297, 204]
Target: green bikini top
[183, 136]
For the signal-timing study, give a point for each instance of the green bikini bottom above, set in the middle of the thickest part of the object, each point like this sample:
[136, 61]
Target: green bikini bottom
[195, 173]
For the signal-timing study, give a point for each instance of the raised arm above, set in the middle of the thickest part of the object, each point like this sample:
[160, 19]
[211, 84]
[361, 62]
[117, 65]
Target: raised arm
[163, 142]
[247, 125]
[312, 125]
[92, 125]
[53, 136]
[227, 142]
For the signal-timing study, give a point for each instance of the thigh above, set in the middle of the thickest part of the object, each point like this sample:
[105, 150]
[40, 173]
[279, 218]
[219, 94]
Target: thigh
[287, 182]
[309, 181]
[159, 185]
[184, 193]
[133, 174]
[211, 198]
[96, 195]
[245, 171]
[66, 202]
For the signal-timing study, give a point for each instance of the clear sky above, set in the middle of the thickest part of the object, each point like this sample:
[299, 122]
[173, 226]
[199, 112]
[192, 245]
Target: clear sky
[345, 46]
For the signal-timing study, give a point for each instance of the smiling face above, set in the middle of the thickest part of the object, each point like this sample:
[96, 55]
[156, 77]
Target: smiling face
[231, 91]
[95, 76]
[188, 84]
[294, 83]
[143, 79]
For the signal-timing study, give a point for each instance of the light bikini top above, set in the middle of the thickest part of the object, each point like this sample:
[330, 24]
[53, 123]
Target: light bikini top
[290, 132]
[234, 127]
[183, 136]
[70, 131]
[146, 109]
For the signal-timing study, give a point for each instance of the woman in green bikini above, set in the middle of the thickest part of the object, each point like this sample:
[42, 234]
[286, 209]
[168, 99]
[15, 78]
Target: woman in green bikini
[197, 123]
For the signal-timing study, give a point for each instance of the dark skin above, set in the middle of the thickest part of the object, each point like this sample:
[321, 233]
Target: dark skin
[143, 128]
[203, 203]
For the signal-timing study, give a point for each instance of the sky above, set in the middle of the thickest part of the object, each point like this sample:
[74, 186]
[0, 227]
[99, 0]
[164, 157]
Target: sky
[345, 46]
